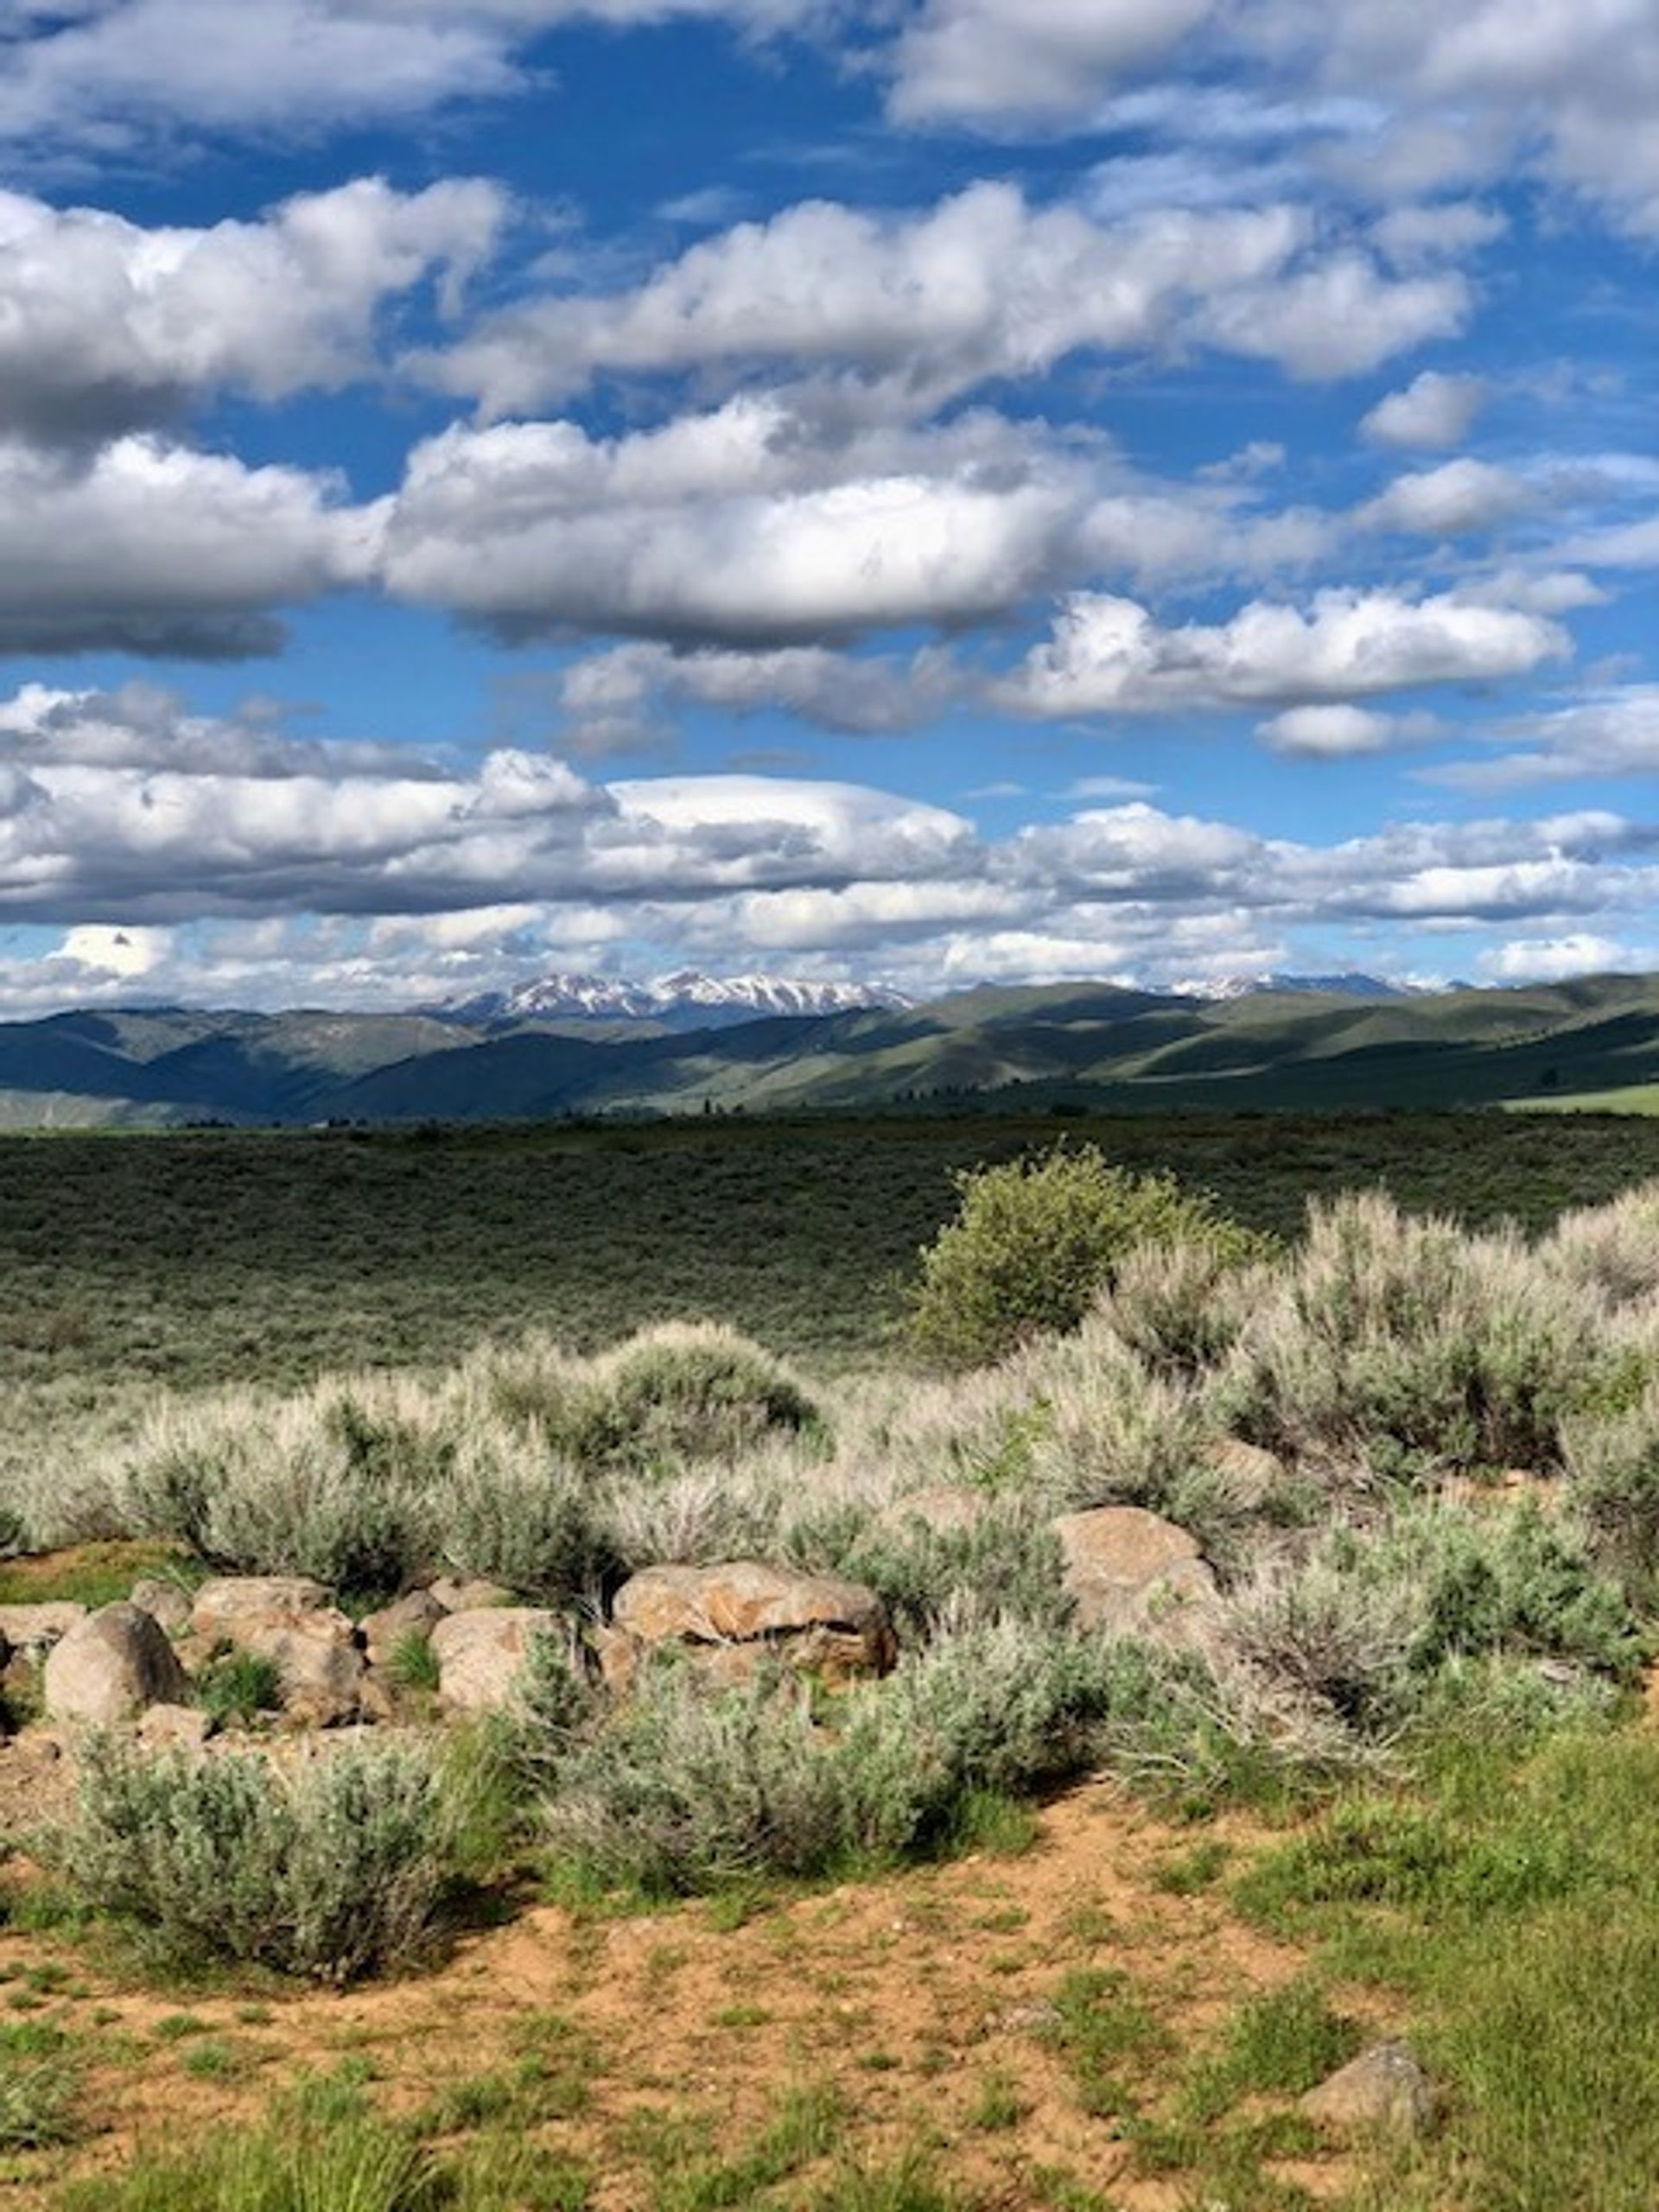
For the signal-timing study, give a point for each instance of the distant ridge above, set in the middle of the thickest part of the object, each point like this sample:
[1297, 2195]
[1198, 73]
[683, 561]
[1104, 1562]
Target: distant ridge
[686, 999]
[1352, 984]
[697, 1045]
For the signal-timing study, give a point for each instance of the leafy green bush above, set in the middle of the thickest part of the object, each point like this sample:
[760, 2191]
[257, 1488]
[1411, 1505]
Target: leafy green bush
[334, 1868]
[1034, 1240]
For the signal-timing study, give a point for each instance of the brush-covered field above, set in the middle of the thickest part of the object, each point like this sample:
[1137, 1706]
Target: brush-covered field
[1069, 1896]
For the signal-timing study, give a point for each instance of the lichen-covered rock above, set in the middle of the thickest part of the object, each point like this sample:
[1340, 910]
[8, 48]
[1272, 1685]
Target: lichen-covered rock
[1131, 1573]
[1384, 2091]
[482, 1653]
[111, 1667]
[738, 1613]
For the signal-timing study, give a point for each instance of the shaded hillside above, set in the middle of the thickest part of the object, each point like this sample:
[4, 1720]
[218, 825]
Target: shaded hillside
[1095, 1046]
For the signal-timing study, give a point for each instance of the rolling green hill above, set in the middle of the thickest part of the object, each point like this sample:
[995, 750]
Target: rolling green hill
[1093, 1045]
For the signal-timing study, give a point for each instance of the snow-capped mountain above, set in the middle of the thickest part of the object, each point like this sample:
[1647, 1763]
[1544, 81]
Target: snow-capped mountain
[686, 999]
[1351, 985]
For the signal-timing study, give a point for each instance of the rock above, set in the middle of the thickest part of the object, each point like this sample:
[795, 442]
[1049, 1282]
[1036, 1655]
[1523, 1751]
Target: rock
[377, 1697]
[744, 1609]
[1383, 2091]
[945, 1508]
[618, 1655]
[111, 1667]
[321, 1668]
[233, 1606]
[289, 1621]
[1133, 1573]
[168, 1604]
[33, 1629]
[1250, 1472]
[417, 1614]
[481, 1653]
[468, 1593]
[174, 1728]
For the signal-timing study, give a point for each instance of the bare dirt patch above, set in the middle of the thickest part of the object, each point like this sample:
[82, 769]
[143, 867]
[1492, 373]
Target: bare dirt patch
[907, 1996]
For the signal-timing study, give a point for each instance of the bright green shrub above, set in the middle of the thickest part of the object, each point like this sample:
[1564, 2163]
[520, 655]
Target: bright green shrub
[333, 1868]
[1034, 1241]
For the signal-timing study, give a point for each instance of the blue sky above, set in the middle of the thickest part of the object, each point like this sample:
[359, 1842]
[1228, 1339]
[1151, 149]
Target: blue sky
[920, 490]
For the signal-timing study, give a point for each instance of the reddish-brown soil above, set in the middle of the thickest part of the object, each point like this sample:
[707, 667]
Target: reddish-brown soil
[905, 1994]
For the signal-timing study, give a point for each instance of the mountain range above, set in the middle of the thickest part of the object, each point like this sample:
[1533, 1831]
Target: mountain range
[1063, 1045]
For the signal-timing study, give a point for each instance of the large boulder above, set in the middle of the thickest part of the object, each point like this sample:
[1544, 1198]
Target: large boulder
[31, 1630]
[739, 1613]
[1131, 1573]
[1383, 2092]
[233, 1607]
[111, 1667]
[288, 1620]
[482, 1653]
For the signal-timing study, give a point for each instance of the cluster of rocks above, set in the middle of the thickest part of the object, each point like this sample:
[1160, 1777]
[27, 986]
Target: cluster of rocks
[139, 1661]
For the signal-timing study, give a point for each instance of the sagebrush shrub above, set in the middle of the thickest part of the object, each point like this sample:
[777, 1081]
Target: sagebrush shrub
[690, 1785]
[516, 1513]
[685, 1392]
[1034, 1240]
[1612, 1248]
[1507, 1578]
[1408, 1347]
[1612, 1462]
[331, 1869]
[337, 1484]
[1344, 1640]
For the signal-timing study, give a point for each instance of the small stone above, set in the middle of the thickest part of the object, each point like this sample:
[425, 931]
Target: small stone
[733, 1615]
[174, 1728]
[1131, 1573]
[1383, 2091]
[111, 1667]
[233, 1606]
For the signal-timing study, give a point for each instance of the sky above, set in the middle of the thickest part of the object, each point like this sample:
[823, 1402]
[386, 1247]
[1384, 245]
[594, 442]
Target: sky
[916, 491]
